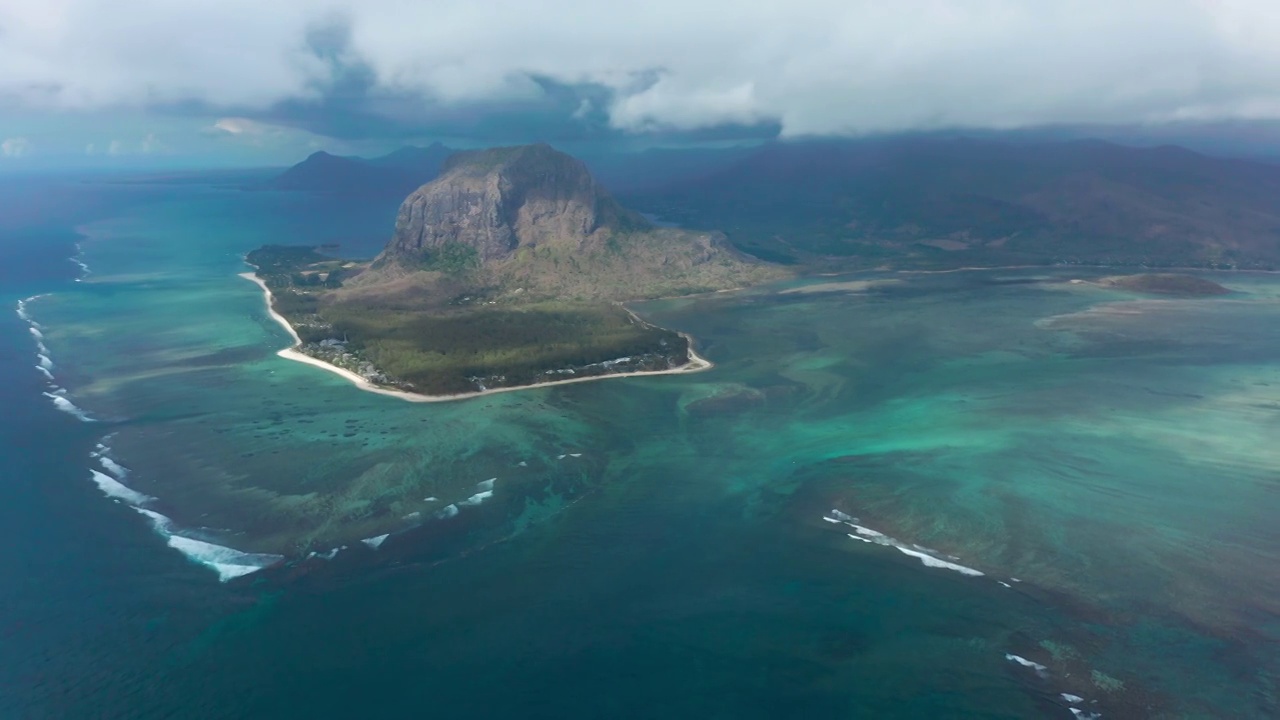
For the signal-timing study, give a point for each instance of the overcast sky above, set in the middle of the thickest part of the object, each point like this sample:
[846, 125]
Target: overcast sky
[270, 79]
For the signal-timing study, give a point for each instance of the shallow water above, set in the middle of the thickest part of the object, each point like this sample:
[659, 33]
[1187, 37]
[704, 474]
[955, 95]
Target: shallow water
[666, 545]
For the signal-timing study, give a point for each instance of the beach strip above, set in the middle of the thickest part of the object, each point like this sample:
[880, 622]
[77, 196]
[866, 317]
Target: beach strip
[696, 363]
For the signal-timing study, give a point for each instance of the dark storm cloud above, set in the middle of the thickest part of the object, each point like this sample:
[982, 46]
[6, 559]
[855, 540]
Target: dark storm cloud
[582, 69]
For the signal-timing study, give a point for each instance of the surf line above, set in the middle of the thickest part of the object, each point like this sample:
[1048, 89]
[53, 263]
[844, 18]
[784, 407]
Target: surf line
[227, 562]
[926, 556]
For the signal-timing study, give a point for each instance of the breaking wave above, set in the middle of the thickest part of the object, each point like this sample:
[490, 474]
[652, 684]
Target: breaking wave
[67, 406]
[329, 554]
[22, 310]
[477, 498]
[111, 487]
[485, 492]
[111, 466]
[44, 364]
[447, 511]
[1041, 670]
[228, 562]
[376, 542]
[927, 557]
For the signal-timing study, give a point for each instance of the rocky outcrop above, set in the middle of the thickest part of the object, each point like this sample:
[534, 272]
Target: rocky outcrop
[525, 224]
[502, 199]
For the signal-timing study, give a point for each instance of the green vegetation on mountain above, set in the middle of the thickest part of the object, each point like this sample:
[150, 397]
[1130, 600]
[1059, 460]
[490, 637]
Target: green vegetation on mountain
[508, 269]
[934, 202]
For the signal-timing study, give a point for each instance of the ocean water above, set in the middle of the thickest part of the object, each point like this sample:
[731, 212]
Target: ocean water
[984, 494]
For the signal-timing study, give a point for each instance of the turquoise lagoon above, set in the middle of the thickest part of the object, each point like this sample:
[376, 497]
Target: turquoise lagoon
[998, 493]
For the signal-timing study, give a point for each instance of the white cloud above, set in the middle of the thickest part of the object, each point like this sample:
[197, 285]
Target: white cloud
[151, 145]
[15, 147]
[816, 66]
[239, 126]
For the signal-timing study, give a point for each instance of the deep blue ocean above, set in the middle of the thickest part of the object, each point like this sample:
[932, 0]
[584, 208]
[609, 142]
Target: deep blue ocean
[983, 495]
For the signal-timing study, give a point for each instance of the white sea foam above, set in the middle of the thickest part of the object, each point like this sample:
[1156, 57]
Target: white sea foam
[1073, 699]
[84, 269]
[927, 557]
[67, 406]
[522, 463]
[477, 498]
[575, 455]
[227, 562]
[376, 542]
[873, 535]
[433, 498]
[561, 457]
[1041, 670]
[113, 467]
[22, 312]
[447, 511]
[931, 561]
[45, 371]
[487, 484]
[45, 363]
[112, 487]
[1085, 715]
[329, 554]
[35, 331]
[1004, 583]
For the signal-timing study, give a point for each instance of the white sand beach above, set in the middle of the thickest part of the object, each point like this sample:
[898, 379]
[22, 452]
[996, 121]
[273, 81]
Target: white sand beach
[696, 363]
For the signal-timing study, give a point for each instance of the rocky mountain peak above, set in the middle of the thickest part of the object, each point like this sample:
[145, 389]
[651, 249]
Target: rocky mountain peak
[501, 199]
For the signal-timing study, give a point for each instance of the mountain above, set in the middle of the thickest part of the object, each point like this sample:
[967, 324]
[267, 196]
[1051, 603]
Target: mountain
[533, 219]
[506, 270]
[951, 201]
[393, 175]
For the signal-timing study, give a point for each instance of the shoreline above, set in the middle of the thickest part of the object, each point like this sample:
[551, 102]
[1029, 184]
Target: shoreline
[696, 363]
[1119, 268]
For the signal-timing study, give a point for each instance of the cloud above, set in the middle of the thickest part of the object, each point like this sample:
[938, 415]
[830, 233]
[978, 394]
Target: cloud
[240, 126]
[15, 147]
[151, 145]
[593, 68]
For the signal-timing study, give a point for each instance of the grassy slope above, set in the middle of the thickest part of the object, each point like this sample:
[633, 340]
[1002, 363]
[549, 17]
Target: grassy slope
[432, 332]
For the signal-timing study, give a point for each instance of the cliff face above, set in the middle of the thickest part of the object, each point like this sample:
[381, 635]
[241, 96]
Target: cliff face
[499, 200]
[526, 224]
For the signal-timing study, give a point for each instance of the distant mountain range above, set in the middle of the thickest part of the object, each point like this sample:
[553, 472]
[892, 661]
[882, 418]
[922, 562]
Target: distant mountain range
[916, 201]
[941, 202]
[404, 170]
[396, 174]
